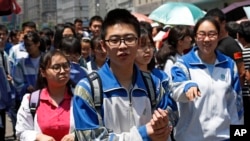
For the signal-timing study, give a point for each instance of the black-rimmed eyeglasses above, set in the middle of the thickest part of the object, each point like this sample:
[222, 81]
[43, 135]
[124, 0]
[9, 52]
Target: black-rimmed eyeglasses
[203, 35]
[57, 67]
[115, 42]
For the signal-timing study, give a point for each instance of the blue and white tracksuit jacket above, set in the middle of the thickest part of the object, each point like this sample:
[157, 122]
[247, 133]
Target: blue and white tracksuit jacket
[124, 112]
[165, 80]
[208, 117]
[77, 72]
[5, 86]
[25, 74]
[91, 65]
[16, 52]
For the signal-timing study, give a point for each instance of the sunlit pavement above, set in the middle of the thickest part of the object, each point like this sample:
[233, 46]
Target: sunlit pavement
[9, 131]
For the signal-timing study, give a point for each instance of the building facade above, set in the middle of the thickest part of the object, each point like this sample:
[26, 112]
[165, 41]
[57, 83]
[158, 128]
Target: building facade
[69, 10]
[97, 7]
[42, 12]
[51, 12]
[112, 4]
[48, 12]
[32, 11]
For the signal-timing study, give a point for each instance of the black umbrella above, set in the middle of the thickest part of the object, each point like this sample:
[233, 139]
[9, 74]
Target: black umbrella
[235, 10]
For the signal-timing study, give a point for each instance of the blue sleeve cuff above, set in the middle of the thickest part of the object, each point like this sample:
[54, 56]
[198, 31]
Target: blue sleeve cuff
[143, 132]
[189, 85]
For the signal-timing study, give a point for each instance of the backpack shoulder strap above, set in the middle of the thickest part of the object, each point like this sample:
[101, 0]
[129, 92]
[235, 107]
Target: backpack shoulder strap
[96, 88]
[89, 68]
[147, 78]
[34, 102]
[172, 58]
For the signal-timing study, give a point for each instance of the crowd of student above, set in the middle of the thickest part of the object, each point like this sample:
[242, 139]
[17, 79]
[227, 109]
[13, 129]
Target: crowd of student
[187, 87]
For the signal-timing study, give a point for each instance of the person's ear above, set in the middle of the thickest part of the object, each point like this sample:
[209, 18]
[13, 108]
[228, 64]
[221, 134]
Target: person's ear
[103, 45]
[224, 22]
[42, 72]
[180, 42]
[38, 44]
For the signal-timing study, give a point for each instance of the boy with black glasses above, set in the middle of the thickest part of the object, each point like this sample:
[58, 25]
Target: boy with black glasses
[125, 108]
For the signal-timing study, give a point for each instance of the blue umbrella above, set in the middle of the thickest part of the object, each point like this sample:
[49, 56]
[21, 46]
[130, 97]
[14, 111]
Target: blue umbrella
[177, 13]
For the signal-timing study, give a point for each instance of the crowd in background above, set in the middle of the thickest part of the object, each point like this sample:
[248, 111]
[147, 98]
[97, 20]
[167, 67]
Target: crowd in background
[200, 74]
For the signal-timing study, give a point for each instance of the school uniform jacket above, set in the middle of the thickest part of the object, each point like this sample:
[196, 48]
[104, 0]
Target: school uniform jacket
[208, 117]
[77, 72]
[172, 106]
[17, 52]
[24, 75]
[5, 86]
[124, 112]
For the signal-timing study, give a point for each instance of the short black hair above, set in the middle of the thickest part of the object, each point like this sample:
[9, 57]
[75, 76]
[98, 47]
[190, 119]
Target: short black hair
[47, 31]
[59, 31]
[245, 31]
[4, 28]
[95, 42]
[147, 26]
[28, 24]
[69, 24]
[210, 19]
[70, 45]
[13, 33]
[216, 12]
[95, 18]
[32, 36]
[119, 16]
[232, 28]
[77, 20]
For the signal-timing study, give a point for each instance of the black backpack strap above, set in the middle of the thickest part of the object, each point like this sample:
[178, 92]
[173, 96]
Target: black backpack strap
[34, 102]
[150, 87]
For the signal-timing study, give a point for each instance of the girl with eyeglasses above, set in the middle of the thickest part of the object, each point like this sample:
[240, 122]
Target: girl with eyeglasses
[99, 56]
[53, 119]
[145, 60]
[206, 87]
[62, 31]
